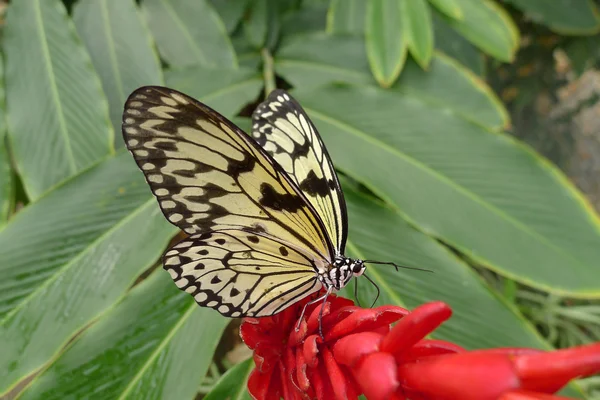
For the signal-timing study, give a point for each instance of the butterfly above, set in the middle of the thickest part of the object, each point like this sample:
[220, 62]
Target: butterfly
[265, 215]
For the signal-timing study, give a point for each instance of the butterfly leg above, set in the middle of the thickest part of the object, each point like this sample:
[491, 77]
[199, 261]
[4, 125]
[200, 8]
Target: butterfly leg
[324, 298]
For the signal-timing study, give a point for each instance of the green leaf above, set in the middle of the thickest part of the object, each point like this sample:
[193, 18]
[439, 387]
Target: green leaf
[385, 40]
[489, 27]
[312, 61]
[7, 186]
[91, 237]
[308, 19]
[485, 194]
[248, 56]
[189, 33]
[380, 233]
[119, 44]
[67, 258]
[456, 46]
[231, 12]
[156, 344]
[6, 179]
[225, 91]
[347, 17]
[256, 24]
[57, 116]
[418, 30]
[232, 384]
[569, 17]
[450, 8]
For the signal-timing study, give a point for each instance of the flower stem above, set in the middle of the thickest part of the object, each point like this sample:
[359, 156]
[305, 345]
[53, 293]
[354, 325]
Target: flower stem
[268, 73]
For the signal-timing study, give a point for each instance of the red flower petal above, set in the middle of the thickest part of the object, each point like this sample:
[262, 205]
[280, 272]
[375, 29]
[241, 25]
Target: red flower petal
[376, 375]
[476, 376]
[301, 367]
[323, 389]
[549, 371]
[311, 350]
[313, 319]
[428, 348]
[415, 326]
[336, 376]
[297, 336]
[350, 349]
[266, 356]
[262, 386]
[251, 333]
[525, 395]
[366, 319]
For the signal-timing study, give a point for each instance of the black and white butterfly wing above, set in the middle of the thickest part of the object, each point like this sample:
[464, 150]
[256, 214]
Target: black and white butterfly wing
[283, 129]
[209, 176]
[240, 273]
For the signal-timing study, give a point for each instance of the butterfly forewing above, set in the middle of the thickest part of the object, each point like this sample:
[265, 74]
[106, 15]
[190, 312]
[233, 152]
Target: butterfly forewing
[283, 129]
[239, 273]
[208, 175]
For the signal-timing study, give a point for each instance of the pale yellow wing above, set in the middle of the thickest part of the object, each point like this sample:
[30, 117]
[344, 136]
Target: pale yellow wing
[283, 129]
[208, 175]
[240, 273]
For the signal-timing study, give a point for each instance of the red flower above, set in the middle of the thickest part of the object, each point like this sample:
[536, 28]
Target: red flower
[361, 353]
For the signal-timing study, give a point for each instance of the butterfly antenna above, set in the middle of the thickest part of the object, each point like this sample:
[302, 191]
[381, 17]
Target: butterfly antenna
[376, 287]
[356, 292]
[396, 265]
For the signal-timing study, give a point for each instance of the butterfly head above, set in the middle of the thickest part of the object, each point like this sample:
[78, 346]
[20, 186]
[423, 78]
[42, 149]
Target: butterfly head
[342, 270]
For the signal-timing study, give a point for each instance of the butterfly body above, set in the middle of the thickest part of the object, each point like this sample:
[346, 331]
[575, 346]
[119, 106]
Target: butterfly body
[265, 214]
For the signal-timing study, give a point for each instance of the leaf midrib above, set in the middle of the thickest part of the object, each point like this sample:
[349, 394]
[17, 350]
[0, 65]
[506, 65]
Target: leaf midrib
[61, 270]
[112, 51]
[362, 135]
[155, 353]
[185, 32]
[53, 86]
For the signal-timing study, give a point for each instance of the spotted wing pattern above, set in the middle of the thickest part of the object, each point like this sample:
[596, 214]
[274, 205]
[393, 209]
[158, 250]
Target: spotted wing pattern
[208, 175]
[283, 129]
[241, 273]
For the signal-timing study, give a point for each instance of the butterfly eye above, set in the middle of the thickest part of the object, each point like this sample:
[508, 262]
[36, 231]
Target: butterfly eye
[358, 268]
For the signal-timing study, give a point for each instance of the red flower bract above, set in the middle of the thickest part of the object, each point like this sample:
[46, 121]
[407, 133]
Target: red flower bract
[362, 354]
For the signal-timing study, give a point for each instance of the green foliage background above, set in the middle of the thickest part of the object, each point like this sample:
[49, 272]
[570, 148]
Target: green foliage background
[398, 91]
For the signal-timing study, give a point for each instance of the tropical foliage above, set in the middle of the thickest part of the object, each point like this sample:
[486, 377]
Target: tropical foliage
[398, 91]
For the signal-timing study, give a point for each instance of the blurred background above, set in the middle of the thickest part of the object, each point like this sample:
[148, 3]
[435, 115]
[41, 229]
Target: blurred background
[466, 134]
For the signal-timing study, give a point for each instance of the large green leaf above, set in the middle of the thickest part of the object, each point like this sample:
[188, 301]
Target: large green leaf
[224, 90]
[69, 257]
[450, 8]
[569, 17]
[418, 30]
[6, 177]
[232, 384]
[483, 193]
[346, 17]
[256, 24]
[380, 233]
[156, 344]
[57, 116]
[311, 61]
[231, 12]
[488, 27]
[119, 44]
[385, 40]
[480, 319]
[189, 33]
[456, 46]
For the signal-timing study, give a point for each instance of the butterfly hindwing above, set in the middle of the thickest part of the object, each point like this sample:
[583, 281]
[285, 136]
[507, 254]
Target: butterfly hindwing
[241, 273]
[208, 175]
[283, 129]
